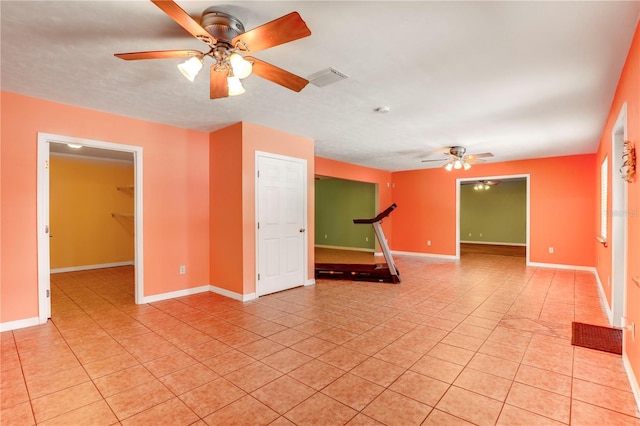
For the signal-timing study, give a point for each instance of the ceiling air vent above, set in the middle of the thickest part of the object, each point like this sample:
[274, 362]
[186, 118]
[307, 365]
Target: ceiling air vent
[326, 77]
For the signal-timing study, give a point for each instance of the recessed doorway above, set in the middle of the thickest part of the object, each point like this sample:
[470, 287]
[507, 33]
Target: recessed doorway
[493, 216]
[48, 143]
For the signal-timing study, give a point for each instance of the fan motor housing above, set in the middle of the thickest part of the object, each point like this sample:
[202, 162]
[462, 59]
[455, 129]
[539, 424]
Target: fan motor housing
[457, 151]
[221, 25]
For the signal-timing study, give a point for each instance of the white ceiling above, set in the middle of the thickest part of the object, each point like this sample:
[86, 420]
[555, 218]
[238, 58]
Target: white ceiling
[517, 79]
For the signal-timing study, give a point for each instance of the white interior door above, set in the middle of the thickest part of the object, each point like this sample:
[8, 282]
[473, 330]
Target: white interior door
[281, 228]
[44, 267]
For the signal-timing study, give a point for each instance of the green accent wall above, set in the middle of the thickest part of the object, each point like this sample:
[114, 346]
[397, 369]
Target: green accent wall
[338, 202]
[499, 214]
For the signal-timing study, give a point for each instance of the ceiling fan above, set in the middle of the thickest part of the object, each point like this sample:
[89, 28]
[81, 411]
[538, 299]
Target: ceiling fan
[481, 185]
[227, 41]
[457, 159]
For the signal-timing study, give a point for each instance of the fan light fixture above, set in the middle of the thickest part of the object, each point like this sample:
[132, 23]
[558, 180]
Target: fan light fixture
[235, 87]
[191, 67]
[457, 159]
[74, 145]
[481, 186]
[237, 66]
[241, 67]
[457, 164]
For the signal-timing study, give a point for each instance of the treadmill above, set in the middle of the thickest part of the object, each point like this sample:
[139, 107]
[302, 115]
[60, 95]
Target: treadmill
[378, 272]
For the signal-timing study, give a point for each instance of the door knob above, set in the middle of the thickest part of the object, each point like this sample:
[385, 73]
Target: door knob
[301, 229]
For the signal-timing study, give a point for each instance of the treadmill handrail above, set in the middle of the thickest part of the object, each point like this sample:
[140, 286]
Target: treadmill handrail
[380, 216]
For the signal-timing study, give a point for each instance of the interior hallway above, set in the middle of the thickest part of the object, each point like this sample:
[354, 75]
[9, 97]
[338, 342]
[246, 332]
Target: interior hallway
[485, 340]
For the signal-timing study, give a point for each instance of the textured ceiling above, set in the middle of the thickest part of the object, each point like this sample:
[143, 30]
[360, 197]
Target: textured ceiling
[517, 79]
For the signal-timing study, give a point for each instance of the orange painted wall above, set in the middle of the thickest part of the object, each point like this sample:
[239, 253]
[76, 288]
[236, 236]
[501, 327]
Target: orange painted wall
[628, 92]
[338, 169]
[175, 196]
[83, 194]
[225, 192]
[561, 197]
[235, 270]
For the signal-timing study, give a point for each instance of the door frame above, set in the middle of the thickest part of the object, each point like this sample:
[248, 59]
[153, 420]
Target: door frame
[619, 213]
[43, 194]
[305, 219]
[527, 177]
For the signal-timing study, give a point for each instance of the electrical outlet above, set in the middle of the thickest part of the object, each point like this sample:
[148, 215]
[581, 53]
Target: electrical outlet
[428, 242]
[551, 250]
[366, 238]
[325, 236]
[481, 234]
[469, 233]
[183, 269]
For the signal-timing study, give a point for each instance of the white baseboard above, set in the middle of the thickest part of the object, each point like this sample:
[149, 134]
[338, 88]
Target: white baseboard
[30, 322]
[89, 267]
[603, 298]
[23, 323]
[632, 379]
[232, 294]
[492, 243]
[561, 266]
[201, 289]
[416, 254]
[345, 248]
[174, 294]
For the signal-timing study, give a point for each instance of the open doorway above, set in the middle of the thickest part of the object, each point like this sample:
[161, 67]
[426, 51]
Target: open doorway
[57, 145]
[493, 216]
[337, 202]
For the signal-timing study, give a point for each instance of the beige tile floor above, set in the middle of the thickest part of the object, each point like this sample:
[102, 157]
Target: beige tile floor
[485, 340]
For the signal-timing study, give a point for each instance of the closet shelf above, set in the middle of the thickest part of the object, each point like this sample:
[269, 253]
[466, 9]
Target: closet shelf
[122, 215]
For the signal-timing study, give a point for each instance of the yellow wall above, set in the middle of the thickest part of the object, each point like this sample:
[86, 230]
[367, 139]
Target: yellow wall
[83, 194]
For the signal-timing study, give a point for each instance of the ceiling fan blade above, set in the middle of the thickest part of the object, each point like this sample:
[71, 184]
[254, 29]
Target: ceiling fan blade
[277, 75]
[482, 155]
[218, 84]
[448, 157]
[158, 54]
[475, 159]
[282, 30]
[183, 19]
